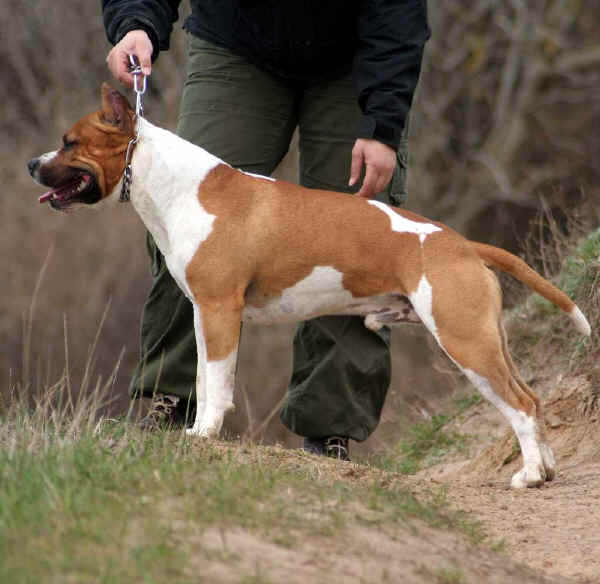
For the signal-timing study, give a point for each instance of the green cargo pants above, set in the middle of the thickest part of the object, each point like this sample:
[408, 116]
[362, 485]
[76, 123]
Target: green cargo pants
[246, 116]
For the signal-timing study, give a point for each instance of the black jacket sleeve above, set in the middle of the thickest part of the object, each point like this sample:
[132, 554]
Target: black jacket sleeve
[156, 17]
[391, 37]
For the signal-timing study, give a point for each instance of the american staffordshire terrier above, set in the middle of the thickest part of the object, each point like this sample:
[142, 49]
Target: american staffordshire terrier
[245, 247]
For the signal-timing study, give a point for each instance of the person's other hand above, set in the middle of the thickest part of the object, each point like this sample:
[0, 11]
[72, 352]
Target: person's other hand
[380, 160]
[135, 42]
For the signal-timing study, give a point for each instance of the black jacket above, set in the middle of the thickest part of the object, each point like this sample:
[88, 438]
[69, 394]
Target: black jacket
[305, 40]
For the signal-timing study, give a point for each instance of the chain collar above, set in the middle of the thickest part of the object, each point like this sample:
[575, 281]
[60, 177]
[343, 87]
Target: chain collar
[136, 71]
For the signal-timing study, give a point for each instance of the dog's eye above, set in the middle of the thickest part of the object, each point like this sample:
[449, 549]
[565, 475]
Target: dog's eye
[68, 143]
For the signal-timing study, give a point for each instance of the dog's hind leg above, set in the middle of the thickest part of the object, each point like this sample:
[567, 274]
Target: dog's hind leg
[547, 454]
[496, 384]
[217, 340]
[466, 325]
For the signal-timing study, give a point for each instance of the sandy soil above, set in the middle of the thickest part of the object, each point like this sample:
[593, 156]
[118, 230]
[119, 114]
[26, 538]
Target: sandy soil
[415, 555]
[545, 535]
[556, 529]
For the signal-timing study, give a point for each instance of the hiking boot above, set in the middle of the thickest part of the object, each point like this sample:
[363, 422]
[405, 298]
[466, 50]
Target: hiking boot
[167, 411]
[332, 446]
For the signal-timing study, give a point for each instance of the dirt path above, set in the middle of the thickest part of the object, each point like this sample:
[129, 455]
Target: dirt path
[415, 555]
[556, 529]
[549, 535]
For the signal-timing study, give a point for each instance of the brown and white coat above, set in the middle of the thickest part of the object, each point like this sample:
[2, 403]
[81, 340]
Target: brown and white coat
[244, 247]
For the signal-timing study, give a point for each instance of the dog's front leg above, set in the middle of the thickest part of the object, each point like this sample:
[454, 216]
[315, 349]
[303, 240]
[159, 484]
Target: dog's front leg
[217, 337]
[200, 369]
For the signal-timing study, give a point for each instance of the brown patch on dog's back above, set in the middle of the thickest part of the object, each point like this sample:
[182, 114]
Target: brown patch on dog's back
[257, 239]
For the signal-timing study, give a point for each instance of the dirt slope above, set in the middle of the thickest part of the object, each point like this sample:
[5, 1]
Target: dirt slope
[551, 534]
[418, 555]
[556, 529]
[364, 552]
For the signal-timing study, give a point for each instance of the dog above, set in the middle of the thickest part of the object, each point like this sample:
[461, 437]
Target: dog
[245, 247]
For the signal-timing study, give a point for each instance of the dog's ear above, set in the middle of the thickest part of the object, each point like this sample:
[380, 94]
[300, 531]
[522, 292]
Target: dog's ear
[116, 110]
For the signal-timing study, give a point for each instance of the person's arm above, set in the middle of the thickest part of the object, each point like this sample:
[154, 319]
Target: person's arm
[139, 27]
[391, 37]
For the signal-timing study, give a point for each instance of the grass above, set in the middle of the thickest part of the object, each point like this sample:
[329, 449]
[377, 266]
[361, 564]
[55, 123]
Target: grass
[450, 576]
[428, 441]
[537, 321]
[85, 499]
[464, 402]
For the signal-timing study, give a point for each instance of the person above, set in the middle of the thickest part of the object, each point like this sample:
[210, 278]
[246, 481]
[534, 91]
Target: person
[342, 72]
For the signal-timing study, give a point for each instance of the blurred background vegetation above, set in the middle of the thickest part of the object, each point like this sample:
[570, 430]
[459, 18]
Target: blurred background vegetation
[505, 124]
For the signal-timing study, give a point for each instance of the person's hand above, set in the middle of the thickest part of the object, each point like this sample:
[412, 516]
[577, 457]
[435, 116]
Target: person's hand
[135, 42]
[380, 160]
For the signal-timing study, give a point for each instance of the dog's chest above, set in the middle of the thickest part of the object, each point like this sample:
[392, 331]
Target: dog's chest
[168, 175]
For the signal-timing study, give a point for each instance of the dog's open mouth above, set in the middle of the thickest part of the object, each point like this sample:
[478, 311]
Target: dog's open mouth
[82, 189]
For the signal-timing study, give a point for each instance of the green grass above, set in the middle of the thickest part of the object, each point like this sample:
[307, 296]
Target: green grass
[579, 274]
[450, 576]
[539, 321]
[88, 502]
[427, 442]
[464, 402]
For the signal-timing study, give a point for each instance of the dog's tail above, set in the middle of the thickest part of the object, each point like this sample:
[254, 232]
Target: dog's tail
[507, 262]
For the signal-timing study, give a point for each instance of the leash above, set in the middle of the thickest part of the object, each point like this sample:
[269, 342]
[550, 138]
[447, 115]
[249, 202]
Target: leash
[140, 88]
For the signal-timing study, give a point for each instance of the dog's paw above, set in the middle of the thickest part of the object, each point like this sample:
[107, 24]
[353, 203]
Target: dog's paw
[204, 431]
[194, 432]
[528, 478]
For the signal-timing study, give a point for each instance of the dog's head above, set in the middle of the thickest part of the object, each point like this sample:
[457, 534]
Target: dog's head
[91, 161]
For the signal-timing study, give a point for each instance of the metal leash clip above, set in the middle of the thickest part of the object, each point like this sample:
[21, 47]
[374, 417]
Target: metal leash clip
[136, 70]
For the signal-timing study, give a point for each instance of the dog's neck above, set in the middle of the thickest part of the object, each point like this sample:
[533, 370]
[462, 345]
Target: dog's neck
[166, 170]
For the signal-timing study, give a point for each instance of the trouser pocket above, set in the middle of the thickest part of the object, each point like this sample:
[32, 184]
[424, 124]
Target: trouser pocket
[397, 189]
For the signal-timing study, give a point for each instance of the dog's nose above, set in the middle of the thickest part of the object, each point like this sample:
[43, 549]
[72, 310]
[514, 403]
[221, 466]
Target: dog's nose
[33, 164]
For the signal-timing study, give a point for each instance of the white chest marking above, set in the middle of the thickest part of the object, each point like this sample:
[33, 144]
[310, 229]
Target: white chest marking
[167, 173]
[403, 225]
[188, 227]
[321, 292]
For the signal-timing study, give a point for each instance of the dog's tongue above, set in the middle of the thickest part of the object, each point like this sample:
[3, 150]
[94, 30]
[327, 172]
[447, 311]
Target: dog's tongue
[46, 196]
[62, 193]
